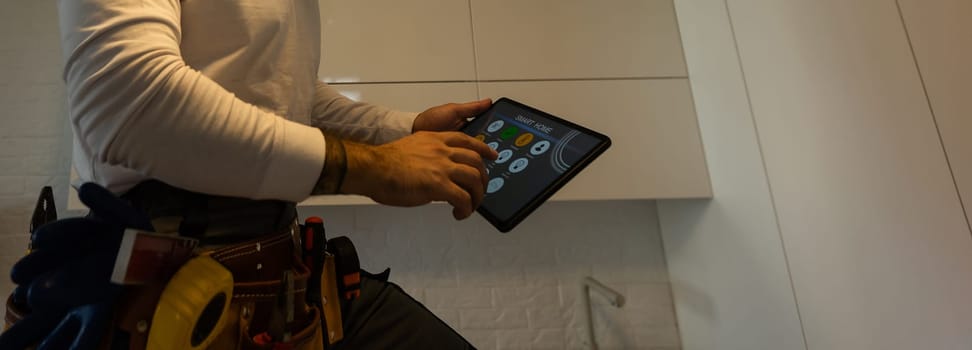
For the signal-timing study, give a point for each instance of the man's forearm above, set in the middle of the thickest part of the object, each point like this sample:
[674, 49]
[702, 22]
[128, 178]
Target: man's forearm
[418, 169]
[365, 167]
[349, 167]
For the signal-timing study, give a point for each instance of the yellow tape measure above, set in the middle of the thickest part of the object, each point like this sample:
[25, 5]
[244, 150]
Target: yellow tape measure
[192, 309]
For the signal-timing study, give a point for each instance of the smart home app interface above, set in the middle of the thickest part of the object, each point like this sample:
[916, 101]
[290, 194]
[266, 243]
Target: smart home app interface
[533, 152]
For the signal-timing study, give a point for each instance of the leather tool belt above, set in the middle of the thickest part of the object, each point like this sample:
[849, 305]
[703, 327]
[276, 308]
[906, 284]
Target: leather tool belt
[276, 291]
[268, 308]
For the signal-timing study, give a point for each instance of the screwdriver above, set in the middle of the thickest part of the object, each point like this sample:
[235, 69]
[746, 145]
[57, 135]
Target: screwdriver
[315, 243]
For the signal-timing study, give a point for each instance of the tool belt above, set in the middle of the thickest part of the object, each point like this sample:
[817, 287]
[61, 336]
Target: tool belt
[257, 271]
[278, 291]
[230, 298]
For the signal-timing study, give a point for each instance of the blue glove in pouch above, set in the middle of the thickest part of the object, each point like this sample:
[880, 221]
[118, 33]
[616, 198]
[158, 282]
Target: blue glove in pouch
[65, 279]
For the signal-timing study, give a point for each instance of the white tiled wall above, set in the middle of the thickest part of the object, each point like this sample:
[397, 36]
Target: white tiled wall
[837, 221]
[518, 290]
[34, 141]
[868, 210]
[939, 34]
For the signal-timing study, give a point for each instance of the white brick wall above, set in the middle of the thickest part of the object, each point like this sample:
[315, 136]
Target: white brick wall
[518, 290]
[34, 142]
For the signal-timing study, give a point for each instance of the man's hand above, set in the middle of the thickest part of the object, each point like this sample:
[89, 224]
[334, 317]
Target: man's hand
[420, 168]
[449, 117]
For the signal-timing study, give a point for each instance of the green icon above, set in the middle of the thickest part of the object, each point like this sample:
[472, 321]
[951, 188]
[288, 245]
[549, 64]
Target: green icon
[509, 132]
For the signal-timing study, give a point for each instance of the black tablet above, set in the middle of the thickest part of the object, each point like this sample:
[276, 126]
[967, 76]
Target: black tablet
[538, 154]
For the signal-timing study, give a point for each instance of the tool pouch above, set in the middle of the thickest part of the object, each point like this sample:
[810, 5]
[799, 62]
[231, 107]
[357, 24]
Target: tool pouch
[256, 268]
[256, 293]
[308, 336]
[347, 267]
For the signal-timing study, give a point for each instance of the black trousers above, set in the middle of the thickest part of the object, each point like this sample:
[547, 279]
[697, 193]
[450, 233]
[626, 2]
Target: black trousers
[385, 317]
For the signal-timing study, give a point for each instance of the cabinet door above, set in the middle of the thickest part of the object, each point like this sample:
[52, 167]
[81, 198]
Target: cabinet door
[656, 151]
[393, 40]
[552, 39]
[941, 36]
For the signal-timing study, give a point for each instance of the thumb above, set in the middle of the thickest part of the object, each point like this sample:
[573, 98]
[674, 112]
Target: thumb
[106, 206]
[474, 108]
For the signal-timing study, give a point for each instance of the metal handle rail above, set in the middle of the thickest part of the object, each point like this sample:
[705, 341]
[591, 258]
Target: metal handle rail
[615, 298]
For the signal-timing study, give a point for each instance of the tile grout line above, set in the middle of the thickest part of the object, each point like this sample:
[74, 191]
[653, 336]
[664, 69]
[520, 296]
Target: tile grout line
[525, 80]
[472, 32]
[769, 186]
[931, 109]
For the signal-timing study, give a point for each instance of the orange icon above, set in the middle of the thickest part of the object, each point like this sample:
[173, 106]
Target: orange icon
[481, 137]
[524, 140]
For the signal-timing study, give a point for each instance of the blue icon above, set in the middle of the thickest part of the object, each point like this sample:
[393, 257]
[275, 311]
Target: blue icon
[518, 165]
[494, 185]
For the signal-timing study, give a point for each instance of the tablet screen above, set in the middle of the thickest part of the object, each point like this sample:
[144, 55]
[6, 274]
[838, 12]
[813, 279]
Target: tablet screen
[537, 152]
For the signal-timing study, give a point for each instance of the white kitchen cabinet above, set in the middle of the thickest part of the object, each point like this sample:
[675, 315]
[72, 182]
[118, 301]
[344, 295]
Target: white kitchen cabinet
[553, 39]
[395, 41]
[656, 150]
[614, 66]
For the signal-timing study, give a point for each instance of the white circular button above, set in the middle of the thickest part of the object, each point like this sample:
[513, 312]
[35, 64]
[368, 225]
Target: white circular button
[494, 185]
[518, 165]
[494, 145]
[495, 126]
[504, 156]
[540, 147]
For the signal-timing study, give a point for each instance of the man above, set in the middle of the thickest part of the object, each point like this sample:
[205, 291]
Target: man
[207, 115]
[212, 97]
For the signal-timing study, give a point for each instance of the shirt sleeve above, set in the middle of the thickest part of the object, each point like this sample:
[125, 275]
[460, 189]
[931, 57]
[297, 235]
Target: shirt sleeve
[359, 121]
[134, 102]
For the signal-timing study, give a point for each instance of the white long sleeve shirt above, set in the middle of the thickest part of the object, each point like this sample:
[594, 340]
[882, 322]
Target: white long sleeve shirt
[213, 96]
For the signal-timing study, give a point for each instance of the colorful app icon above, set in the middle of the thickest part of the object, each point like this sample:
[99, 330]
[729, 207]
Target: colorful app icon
[481, 137]
[540, 147]
[494, 145]
[509, 132]
[524, 140]
[518, 165]
[495, 185]
[494, 126]
[504, 156]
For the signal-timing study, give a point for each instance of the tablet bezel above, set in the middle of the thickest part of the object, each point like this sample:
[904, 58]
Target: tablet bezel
[555, 185]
